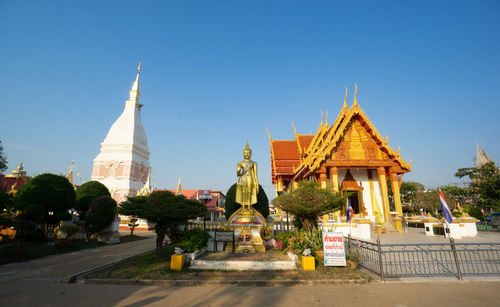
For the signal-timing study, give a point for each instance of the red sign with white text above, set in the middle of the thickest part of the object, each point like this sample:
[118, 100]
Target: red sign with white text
[333, 249]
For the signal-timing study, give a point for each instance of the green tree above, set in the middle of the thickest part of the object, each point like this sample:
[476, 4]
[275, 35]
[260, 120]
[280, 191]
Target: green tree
[86, 194]
[100, 214]
[5, 209]
[45, 199]
[231, 206]
[164, 209]
[485, 184]
[427, 200]
[308, 202]
[3, 159]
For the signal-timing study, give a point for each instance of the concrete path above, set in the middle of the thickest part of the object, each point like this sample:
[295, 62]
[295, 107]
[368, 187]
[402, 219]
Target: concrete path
[38, 293]
[60, 268]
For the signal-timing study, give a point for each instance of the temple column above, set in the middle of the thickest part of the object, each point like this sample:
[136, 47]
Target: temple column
[295, 184]
[382, 180]
[279, 185]
[323, 180]
[395, 191]
[334, 179]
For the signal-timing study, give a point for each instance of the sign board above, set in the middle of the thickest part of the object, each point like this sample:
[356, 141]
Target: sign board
[333, 249]
[224, 236]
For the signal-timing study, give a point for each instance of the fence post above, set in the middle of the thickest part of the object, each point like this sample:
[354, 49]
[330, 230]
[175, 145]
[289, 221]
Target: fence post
[380, 260]
[349, 245]
[452, 243]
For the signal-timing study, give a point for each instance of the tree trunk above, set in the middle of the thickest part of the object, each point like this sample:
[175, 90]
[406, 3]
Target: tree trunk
[160, 236]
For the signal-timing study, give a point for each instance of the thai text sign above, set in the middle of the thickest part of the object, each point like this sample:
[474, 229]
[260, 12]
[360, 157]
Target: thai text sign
[224, 236]
[333, 249]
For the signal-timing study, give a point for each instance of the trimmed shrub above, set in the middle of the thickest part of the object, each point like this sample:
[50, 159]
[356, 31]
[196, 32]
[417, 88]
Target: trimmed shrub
[101, 213]
[87, 193]
[45, 199]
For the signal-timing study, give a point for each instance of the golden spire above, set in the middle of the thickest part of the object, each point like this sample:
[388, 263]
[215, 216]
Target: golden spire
[410, 163]
[134, 93]
[178, 191]
[247, 148]
[326, 120]
[321, 117]
[268, 133]
[355, 93]
[387, 138]
[399, 150]
[345, 98]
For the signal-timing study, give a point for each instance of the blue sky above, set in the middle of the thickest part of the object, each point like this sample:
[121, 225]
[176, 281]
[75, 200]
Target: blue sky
[218, 73]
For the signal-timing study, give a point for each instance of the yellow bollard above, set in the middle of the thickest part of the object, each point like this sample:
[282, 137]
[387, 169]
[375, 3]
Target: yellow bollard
[308, 263]
[177, 262]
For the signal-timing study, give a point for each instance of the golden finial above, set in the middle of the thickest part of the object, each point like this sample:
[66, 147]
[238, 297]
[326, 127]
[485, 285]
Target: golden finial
[355, 93]
[387, 138]
[268, 133]
[345, 98]
[294, 129]
[399, 150]
[247, 148]
[139, 67]
[410, 163]
[321, 117]
[326, 120]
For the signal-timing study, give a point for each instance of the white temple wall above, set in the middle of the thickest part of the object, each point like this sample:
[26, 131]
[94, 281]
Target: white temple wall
[362, 176]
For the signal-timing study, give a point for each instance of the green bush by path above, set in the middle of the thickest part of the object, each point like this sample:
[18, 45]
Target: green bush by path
[100, 214]
[194, 239]
[87, 193]
[45, 199]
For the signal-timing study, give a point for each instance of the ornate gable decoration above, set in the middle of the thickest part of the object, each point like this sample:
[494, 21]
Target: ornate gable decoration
[351, 137]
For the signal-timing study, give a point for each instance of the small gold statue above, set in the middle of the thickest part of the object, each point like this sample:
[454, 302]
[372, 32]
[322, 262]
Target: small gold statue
[247, 186]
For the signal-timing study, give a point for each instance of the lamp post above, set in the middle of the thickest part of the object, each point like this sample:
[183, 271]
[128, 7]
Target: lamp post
[205, 198]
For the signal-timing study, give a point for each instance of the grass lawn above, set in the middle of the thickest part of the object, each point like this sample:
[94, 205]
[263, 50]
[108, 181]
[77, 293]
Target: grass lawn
[11, 252]
[148, 266]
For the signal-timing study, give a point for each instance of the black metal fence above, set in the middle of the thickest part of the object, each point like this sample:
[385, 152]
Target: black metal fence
[432, 259]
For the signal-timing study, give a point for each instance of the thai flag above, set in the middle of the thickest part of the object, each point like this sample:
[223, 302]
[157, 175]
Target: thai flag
[350, 211]
[445, 208]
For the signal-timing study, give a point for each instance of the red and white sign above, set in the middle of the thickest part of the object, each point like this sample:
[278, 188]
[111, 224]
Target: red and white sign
[333, 249]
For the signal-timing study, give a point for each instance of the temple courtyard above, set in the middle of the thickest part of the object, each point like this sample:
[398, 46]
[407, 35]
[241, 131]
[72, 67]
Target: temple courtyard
[47, 282]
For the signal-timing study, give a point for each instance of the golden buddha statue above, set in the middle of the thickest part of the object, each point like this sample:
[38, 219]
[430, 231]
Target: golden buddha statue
[247, 186]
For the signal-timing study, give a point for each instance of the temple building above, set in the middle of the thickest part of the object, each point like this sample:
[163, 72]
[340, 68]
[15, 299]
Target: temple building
[348, 156]
[481, 157]
[11, 183]
[123, 162]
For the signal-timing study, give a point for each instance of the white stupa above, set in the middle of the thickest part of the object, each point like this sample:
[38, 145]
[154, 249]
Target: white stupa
[123, 163]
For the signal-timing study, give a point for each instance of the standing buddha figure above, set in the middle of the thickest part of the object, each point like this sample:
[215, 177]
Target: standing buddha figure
[247, 187]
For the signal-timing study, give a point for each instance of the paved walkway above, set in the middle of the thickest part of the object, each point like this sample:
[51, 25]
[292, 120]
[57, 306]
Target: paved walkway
[62, 267]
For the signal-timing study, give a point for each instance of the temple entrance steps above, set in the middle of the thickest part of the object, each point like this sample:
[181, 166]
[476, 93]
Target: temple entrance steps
[387, 227]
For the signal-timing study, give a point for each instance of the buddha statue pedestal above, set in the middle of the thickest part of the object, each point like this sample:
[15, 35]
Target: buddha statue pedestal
[247, 231]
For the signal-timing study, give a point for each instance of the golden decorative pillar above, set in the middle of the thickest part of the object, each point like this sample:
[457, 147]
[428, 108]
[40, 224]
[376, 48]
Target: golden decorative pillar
[334, 179]
[323, 179]
[382, 180]
[395, 191]
[279, 185]
[295, 184]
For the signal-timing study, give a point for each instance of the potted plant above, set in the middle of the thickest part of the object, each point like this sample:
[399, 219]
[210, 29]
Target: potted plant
[314, 239]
